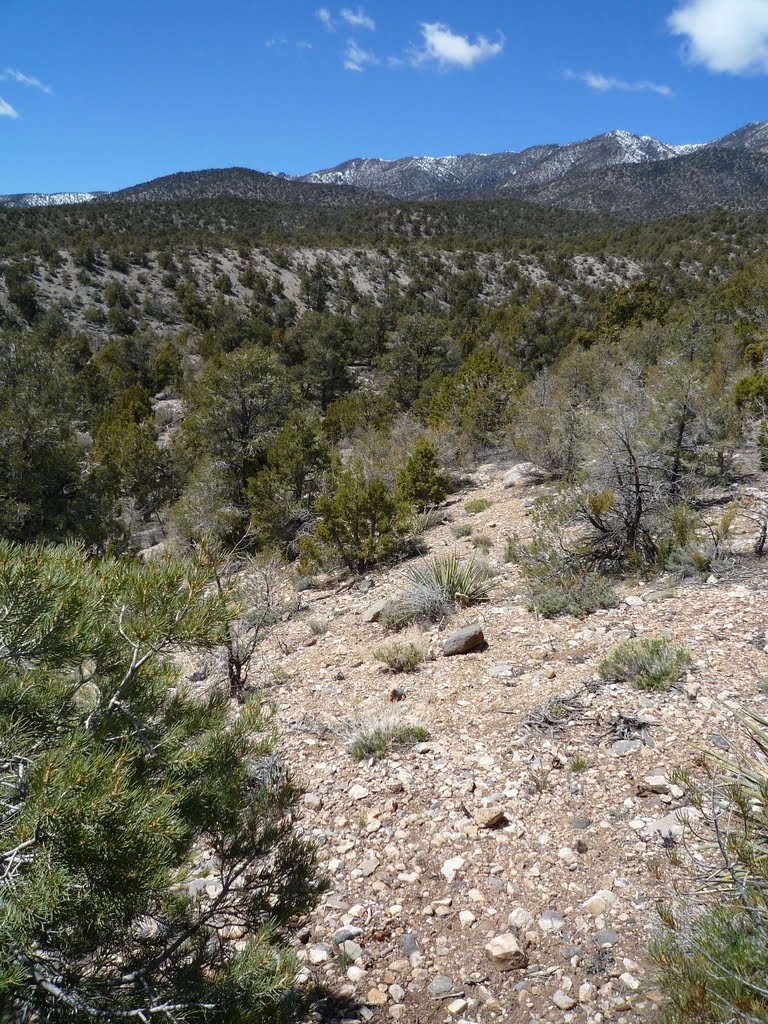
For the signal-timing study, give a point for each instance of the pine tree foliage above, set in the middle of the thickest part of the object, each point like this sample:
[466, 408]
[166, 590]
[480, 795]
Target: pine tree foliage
[142, 828]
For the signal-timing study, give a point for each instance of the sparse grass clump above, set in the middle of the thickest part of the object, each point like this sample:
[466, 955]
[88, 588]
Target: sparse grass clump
[378, 739]
[571, 595]
[400, 657]
[434, 588]
[578, 763]
[475, 505]
[425, 521]
[482, 542]
[649, 664]
[462, 530]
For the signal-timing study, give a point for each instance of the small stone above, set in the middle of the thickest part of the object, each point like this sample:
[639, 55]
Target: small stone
[489, 817]
[358, 792]
[587, 992]
[313, 802]
[629, 981]
[351, 949]
[582, 823]
[563, 1001]
[367, 867]
[376, 998]
[440, 986]
[634, 601]
[355, 974]
[464, 640]
[457, 1006]
[319, 954]
[602, 900]
[408, 944]
[451, 867]
[551, 921]
[521, 919]
[342, 934]
[605, 937]
[506, 952]
[467, 917]
[623, 748]
[396, 993]
[374, 612]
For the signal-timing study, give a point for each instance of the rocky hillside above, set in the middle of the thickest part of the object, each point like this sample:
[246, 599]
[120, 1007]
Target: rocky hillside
[727, 178]
[502, 868]
[480, 174]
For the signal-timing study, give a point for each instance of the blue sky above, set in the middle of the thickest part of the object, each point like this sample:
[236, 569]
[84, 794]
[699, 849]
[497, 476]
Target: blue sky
[100, 94]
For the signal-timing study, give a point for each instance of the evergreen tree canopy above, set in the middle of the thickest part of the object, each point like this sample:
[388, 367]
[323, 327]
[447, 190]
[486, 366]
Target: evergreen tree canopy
[142, 827]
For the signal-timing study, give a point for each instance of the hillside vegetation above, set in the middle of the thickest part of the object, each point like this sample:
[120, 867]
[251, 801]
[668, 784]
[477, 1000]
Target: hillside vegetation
[224, 421]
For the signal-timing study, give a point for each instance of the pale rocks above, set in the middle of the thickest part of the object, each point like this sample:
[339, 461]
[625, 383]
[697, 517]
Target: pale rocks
[523, 475]
[506, 952]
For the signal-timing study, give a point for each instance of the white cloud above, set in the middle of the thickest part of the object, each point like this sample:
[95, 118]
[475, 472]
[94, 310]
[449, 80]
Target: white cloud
[325, 17]
[276, 41]
[22, 79]
[356, 58]
[724, 35]
[358, 18]
[605, 83]
[6, 110]
[449, 49]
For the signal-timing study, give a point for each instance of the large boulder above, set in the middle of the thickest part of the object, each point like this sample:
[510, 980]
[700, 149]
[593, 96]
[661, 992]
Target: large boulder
[524, 474]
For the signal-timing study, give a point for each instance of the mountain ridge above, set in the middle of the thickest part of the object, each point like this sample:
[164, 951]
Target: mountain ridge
[616, 173]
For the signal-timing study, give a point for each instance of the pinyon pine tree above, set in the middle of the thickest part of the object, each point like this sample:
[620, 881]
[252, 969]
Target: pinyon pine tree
[148, 856]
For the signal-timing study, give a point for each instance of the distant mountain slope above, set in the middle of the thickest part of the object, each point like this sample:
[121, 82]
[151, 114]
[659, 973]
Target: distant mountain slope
[473, 174]
[24, 199]
[727, 178]
[240, 183]
[617, 173]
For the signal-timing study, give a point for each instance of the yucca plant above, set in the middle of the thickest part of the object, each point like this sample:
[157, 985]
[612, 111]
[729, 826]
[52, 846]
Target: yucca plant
[713, 950]
[435, 588]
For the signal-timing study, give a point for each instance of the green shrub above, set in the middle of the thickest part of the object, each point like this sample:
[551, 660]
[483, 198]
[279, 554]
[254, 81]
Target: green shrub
[712, 953]
[462, 530]
[400, 657]
[114, 777]
[377, 739]
[361, 520]
[571, 595]
[420, 482]
[476, 505]
[650, 664]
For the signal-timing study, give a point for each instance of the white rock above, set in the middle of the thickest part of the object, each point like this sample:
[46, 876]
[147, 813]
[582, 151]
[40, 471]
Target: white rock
[358, 792]
[506, 952]
[450, 868]
[629, 981]
[602, 900]
[563, 1001]
[520, 919]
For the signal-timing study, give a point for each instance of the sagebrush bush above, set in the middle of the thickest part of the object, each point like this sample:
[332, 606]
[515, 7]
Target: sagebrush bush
[378, 738]
[475, 505]
[575, 595]
[462, 530]
[649, 664]
[400, 657]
